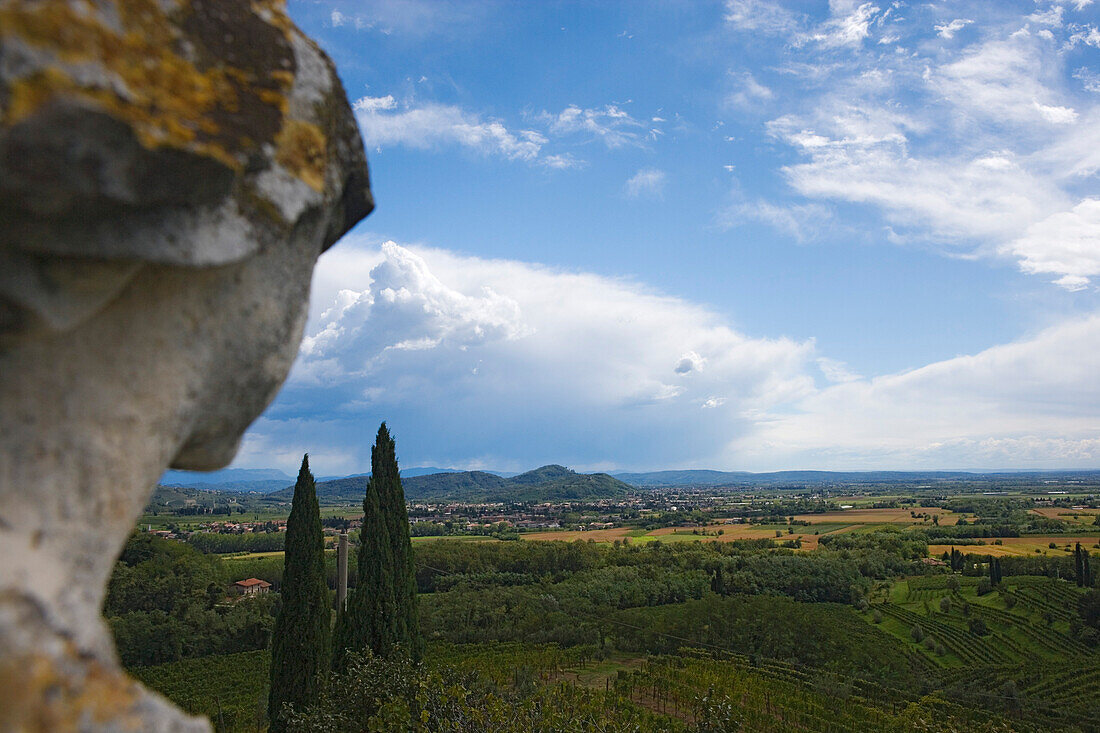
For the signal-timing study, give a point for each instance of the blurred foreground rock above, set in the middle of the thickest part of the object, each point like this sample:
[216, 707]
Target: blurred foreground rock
[169, 173]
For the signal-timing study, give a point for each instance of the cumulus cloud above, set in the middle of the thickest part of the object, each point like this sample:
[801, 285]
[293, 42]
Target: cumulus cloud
[406, 308]
[646, 182]
[1066, 243]
[483, 355]
[1056, 115]
[507, 364]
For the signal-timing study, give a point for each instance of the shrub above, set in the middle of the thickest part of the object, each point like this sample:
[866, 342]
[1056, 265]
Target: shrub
[977, 626]
[876, 617]
[945, 604]
[917, 633]
[1010, 600]
[985, 585]
[940, 651]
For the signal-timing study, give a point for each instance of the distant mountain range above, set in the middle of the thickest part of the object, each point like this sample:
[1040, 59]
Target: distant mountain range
[556, 483]
[743, 479]
[267, 480]
[549, 483]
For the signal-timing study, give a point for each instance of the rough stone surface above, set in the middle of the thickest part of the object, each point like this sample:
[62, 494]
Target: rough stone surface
[170, 170]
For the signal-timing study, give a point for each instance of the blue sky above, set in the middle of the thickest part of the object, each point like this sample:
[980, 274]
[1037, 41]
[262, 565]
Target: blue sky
[741, 235]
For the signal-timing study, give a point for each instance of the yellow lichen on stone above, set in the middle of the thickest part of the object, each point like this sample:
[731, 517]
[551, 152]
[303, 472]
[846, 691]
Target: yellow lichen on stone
[35, 695]
[301, 149]
[167, 99]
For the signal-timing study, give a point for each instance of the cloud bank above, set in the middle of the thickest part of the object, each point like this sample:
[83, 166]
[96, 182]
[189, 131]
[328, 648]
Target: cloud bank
[497, 363]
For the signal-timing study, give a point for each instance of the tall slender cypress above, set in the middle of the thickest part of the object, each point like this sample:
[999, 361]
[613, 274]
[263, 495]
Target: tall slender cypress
[300, 641]
[1079, 565]
[382, 610]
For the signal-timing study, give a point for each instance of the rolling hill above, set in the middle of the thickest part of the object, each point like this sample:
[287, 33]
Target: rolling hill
[548, 483]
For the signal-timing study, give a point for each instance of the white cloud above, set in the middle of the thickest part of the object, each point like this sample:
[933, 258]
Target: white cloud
[562, 161]
[690, 362]
[1031, 403]
[430, 125]
[1089, 79]
[646, 182]
[1052, 16]
[963, 148]
[1056, 115]
[836, 371]
[800, 221]
[385, 121]
[760, 15]
[747, 92]
[406, 308]
[374, 104]
[1066, 243]
[948, 30]
[1086, 34]
[482, 354]
[997, 80]
[957, 199]
[609, 124]
[412, 17]
[849, 25]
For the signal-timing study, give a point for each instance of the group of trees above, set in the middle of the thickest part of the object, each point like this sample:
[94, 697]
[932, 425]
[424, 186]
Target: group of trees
[166, 602]
[381, 616]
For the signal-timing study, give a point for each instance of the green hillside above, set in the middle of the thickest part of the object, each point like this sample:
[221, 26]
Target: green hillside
[548, 483]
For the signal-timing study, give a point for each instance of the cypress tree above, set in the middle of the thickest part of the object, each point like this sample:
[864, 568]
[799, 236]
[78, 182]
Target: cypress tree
[1078, 565]
[1088, 570]
[300, 641]
[382, 610]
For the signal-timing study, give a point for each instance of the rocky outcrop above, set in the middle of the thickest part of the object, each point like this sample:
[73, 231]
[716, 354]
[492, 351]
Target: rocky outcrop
[170, 170]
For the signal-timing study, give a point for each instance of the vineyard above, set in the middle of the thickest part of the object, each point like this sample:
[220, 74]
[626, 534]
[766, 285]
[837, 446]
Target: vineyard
[545, 685]
[230, 689]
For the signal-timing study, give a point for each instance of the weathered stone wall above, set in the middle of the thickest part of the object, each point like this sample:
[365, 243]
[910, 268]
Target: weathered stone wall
[170, 170]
